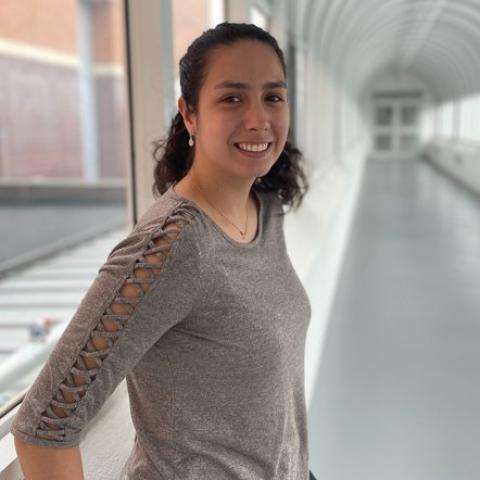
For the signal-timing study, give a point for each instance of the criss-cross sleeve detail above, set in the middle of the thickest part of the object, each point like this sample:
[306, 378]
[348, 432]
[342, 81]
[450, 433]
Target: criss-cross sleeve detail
[147, 285]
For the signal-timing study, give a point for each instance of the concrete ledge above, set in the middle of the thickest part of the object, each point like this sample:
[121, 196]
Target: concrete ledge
[16, 190]
[316, 238]
[457, 159]
[64, 243]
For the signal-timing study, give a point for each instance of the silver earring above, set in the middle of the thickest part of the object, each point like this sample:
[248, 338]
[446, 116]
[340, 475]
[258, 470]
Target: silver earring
[190, 142]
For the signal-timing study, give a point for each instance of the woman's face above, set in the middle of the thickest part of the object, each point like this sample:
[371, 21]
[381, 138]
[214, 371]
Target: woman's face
[242, 101]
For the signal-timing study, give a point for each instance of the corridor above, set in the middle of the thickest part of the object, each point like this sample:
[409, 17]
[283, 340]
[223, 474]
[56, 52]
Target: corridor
[384, 123]
[397, 392]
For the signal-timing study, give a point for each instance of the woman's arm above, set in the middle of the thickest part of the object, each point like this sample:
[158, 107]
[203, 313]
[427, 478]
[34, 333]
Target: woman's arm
[148, 284]
[44, 463]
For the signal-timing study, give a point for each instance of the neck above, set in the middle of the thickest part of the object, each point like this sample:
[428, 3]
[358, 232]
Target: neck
[231, 197]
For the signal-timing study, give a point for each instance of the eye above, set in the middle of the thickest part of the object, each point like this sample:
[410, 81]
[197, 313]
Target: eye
[227, 99]
[280, 99]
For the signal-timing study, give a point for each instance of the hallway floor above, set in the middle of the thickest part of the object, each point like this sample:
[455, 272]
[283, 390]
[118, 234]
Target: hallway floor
[398, 392]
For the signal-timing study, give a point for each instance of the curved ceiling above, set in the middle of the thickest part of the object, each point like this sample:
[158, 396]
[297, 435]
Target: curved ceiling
[438, 41]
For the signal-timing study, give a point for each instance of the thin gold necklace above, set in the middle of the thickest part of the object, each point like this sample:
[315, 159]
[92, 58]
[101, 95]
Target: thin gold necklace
[205, 198]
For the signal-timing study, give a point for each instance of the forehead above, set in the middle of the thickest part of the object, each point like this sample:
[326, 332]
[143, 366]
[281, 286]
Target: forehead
[243, 61]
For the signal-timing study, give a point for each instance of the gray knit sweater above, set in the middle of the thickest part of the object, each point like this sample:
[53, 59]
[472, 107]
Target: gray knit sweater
[209, 333]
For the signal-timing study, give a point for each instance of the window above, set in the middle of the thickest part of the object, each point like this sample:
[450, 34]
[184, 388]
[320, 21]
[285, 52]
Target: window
[64, 150]
[470, 118]
[408, 141]
[409, 115]
[384, 116]
[259, 18]
[446, 119]
[383, 142]
[190, 19]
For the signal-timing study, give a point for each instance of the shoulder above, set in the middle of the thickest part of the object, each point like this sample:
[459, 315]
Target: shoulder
[164, 209]
[161, 231]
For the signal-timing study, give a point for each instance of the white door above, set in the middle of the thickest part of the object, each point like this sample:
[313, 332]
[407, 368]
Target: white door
[395, 127]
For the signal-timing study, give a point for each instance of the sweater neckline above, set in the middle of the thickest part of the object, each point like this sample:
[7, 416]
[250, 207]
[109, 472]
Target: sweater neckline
[231, 240]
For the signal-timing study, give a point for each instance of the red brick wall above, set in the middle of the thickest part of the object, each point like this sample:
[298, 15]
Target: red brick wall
[40, 99]
[44, 23]
[40, 129]
[190, 19]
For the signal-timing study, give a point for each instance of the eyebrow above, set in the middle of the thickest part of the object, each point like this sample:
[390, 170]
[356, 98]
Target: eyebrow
[230, 84]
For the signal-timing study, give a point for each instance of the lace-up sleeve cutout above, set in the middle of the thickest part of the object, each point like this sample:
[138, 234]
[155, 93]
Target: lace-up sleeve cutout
[153, 249]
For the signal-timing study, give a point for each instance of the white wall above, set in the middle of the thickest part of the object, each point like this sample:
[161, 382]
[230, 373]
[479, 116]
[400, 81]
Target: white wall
[455, 145]
[332, 135]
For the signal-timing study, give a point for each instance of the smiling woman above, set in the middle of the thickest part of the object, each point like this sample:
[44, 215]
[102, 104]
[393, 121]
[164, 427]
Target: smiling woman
[242, 114]
[240, 128]
[234, 100]
[203, 314]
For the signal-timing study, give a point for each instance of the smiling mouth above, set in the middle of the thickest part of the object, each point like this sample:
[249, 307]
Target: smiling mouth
[253, 147]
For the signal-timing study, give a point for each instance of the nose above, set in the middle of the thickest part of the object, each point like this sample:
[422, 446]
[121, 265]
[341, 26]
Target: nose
[257, 116]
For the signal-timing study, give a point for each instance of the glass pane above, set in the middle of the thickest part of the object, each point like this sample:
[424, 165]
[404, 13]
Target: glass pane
[259, 18]
[384, 116]
[409, 115]
[446, 119]
[190, 19]
[63, 169]
[409, 141]
[383, 142]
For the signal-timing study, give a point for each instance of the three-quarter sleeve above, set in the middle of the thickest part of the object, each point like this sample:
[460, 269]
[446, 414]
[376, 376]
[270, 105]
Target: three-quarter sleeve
[147, 285]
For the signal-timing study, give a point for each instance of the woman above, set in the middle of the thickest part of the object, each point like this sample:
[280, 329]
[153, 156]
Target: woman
[199, 308]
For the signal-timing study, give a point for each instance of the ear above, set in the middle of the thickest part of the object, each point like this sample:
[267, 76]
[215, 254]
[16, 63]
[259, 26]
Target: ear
[188, 118]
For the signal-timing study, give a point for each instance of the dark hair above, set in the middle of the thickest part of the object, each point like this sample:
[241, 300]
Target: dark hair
[177, 157]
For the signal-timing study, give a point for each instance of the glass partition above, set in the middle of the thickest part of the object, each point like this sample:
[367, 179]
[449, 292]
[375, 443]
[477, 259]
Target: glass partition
[64, 149]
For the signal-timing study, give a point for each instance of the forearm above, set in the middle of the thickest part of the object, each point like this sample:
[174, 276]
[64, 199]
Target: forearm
[43, 463]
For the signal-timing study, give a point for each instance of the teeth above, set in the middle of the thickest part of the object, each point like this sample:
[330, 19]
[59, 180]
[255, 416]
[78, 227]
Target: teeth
[253, 147]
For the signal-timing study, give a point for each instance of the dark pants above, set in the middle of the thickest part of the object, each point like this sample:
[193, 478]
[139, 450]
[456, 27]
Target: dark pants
[311, 477]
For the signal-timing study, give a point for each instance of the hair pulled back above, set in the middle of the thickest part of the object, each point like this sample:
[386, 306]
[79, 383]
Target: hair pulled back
[174, 156]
